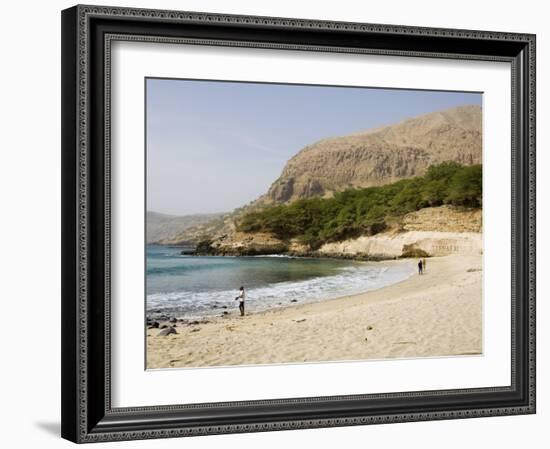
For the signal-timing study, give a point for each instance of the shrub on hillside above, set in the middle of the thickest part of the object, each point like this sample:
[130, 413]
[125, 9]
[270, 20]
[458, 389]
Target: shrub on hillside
[355, 212]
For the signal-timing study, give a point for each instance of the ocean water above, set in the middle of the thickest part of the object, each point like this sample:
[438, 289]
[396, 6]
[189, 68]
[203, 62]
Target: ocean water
[197, 287]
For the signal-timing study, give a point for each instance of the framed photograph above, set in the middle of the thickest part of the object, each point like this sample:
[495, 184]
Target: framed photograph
[275, 223]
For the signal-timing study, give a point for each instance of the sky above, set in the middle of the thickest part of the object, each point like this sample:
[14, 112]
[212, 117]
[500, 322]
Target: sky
[214, 146]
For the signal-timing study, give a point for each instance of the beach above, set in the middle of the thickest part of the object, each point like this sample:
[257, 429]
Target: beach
[435, 314]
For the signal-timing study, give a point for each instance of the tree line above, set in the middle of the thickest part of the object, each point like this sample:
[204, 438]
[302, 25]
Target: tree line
[355, 212]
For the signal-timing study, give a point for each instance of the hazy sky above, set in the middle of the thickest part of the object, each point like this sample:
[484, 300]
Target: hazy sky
[214, 146]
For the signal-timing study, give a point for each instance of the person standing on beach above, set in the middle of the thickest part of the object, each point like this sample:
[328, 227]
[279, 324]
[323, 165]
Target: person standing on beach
[420, 266]
[424, 264]
[240, 298]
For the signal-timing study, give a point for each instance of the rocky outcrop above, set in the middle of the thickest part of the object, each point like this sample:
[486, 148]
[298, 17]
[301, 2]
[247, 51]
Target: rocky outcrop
[380, 156]
[244, 244]
[167, 331]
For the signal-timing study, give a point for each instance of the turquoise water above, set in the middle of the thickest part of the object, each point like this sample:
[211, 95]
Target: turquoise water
[190, 287]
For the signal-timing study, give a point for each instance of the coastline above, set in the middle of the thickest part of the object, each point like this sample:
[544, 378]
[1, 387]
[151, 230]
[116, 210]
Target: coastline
[436, 314]
[349, 279]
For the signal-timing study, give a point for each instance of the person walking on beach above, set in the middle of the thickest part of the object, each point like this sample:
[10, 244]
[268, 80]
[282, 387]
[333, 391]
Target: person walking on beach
[420, 266]
[240, 298]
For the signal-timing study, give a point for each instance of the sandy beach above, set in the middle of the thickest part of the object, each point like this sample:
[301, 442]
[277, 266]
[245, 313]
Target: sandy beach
[436, 314]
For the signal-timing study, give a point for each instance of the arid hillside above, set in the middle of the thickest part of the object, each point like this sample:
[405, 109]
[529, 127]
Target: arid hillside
[380, 156]
[163, 227]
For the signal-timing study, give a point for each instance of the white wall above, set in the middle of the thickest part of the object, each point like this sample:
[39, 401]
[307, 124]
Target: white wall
[30, 223]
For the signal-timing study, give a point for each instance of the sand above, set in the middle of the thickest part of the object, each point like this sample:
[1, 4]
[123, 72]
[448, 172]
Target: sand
[436, 314]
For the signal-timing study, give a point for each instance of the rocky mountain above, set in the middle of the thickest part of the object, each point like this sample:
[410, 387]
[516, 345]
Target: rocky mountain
[162, 227]
[381, 155]
[375, 157]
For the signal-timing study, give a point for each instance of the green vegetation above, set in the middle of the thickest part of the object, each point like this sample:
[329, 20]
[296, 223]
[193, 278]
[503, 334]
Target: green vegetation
[356, 212]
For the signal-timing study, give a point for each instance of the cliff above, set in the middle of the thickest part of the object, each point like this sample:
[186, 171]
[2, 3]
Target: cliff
[407, 244]
[380, 156]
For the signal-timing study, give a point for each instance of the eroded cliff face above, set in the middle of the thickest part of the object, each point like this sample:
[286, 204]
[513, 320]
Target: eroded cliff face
[407, 244]
[380, 156]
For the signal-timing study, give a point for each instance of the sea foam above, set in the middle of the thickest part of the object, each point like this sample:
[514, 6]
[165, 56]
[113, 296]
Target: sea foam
[348, 281]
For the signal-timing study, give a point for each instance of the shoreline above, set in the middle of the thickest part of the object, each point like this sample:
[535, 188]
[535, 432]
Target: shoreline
[164, 317]
[312, 255]
[436, 314]
[360, 257]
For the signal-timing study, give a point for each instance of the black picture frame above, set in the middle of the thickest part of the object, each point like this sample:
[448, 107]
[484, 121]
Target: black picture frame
[87, 414]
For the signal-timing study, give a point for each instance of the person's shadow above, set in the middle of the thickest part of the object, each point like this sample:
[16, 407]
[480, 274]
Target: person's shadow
[53, 428]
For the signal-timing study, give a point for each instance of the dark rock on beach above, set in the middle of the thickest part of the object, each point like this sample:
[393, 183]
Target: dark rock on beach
[412, 251]
[167, 331]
